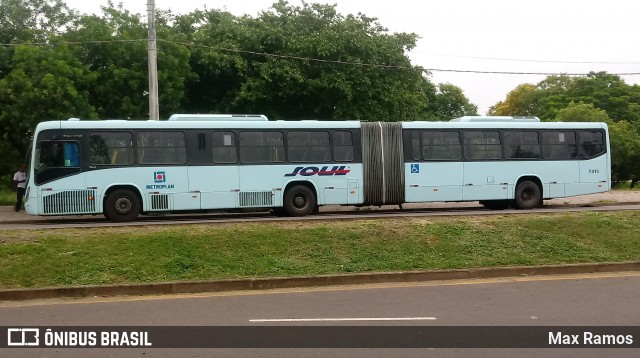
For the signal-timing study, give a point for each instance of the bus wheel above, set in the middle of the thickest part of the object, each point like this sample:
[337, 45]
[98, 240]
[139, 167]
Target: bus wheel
[495, 204]
[528, 195]
[122, 205]
[299, 201]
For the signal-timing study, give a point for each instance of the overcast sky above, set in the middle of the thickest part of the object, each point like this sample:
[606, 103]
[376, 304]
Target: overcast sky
[549, 36]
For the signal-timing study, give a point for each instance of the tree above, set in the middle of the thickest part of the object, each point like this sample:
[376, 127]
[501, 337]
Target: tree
[28, 21]
[582, 112]
[604, 91]
[448, 102]
[519, 102]
[625, 152]
[115, 49]
[45, 83]
[320, 65]
[23, 22]
[607, 92]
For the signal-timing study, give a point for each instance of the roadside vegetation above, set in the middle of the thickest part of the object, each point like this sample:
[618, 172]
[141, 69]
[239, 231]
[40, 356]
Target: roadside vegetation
[106, 256]
[624, 186]
[7, 197]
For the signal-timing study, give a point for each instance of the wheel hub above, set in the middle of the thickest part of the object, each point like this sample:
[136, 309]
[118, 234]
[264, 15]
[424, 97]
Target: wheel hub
[123, 205]
[299, 202]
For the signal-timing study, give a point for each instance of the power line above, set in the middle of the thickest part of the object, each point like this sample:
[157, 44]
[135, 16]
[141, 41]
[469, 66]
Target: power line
[337, 62]
[420, 68]
[527, 60]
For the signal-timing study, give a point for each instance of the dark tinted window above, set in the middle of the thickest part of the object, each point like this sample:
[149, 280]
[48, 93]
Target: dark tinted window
[415, 146]
[482, 145]
[591, 143]
[111, 148]
[161, 148]
[56, 159]
[521, 145]
[224, 147]
[559, 145]
[441, 145]
[261, 147]
[308, 147]
[343, 146]
[58, 154]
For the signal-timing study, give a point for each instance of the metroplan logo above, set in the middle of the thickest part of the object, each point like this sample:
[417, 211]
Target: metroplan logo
[159, 177]
[324, 171]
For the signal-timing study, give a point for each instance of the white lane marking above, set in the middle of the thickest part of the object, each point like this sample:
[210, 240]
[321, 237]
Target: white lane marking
[344, 319]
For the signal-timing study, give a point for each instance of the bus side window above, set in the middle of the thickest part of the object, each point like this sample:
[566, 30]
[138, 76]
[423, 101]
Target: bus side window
[224, 147]
[308, 147]
[415, 145]
[591, 143]
[261, 147]
[441, 145]
[343, 146]
[161, 148]
[559, 145]
[482, 145]
[521, 145]
[111, 148]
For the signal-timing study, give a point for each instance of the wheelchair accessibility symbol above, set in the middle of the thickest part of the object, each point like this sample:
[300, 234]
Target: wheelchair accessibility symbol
[415, 168]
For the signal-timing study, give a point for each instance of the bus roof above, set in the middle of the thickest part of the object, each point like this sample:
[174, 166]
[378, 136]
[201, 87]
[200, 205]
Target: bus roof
[504, 125]
[218, 117]
[257, 124]
[496, 119]
[196, 124]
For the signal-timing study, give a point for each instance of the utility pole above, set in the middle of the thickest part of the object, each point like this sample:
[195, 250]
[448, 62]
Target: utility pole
[154, 110]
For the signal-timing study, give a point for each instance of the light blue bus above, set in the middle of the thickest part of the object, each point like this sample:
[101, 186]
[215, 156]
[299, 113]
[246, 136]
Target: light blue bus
[227, 162]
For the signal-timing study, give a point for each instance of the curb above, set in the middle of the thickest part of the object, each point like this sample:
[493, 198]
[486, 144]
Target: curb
[311, 281]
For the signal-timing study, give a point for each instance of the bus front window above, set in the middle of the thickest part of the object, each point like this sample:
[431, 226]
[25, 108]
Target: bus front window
[56, 159]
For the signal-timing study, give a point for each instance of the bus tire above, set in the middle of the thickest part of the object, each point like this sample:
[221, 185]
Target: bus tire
[299, 201]
[528, 195]
[122, 205]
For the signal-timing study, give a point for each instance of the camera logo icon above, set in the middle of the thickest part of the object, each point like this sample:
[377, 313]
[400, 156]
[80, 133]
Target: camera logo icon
[23, 337]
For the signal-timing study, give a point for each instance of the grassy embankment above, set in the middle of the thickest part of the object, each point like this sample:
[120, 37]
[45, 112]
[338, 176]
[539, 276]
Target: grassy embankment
[44, 258]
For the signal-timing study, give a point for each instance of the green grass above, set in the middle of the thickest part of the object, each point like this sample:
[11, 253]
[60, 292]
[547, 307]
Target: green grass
[7, 197]
[624, 186]
[203, 252]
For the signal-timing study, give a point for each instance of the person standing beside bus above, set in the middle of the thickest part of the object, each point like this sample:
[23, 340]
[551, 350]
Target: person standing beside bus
[20, 180]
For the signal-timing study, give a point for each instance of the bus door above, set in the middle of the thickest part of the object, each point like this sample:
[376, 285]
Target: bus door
[484, 171]
[216, 186]
[217, 183]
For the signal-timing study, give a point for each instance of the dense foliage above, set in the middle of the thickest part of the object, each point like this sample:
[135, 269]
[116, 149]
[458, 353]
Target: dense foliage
[289, 62]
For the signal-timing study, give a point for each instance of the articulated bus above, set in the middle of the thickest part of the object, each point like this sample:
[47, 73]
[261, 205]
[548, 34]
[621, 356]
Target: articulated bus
[225, 162]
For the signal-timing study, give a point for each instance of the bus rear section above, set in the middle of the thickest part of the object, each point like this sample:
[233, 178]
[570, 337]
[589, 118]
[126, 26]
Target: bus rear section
[505, 164]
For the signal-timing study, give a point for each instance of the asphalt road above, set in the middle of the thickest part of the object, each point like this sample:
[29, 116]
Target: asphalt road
[580, 300]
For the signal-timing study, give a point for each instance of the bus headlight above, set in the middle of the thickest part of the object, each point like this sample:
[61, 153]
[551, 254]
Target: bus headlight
[26, 194]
